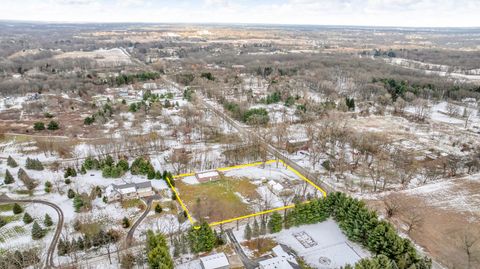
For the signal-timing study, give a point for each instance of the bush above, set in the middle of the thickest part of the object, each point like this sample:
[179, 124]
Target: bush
[275, 223]
[37, 231]
[39, 126]
[11, 162]
[78, 203]
[70, 172]
[47, 221]
[123, 164]
[89, 120]
[53, 125]
[125, 222]
[34, 164]
[17, 209]
[27, 219]
[256, 116]
[158, 209]
[48, 187]
[71, 194]
[8, 178]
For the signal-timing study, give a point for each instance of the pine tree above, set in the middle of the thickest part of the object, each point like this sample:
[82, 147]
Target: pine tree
[158, 254]
[47, 221]
[70, 194]
[11, 162]
[256, 229]
[17, 209]
[158, 209]
[27, 219]
[62, 248]
[248, 232]
[275, 223]
[202, 239]
[78, 203]
[37, 231]
[3, 222]
[48, 187]
[125, 222]
[8, 178]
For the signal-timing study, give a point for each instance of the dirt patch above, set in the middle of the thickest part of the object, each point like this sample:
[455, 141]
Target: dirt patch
[260, 246]
[445, 216]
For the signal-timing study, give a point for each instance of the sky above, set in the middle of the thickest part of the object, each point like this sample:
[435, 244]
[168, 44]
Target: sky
[410, 13]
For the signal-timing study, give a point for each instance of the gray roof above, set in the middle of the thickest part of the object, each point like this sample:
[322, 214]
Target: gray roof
[146, 184]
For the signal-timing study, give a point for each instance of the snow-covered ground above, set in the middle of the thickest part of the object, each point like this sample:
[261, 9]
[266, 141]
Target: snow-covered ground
[330, 245]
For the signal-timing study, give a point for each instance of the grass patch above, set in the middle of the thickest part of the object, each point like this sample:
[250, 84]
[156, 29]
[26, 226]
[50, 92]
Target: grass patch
[6, 207]
[133, 203]
[260, 246]
[91, 228]
[217, 200]
[11, 218]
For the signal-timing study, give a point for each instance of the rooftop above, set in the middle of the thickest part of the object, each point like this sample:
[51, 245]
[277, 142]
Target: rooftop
[214, 261]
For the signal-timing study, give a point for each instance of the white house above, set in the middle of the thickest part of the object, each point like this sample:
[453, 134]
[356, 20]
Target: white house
[275, 263]
[215, 261]
[129, 191]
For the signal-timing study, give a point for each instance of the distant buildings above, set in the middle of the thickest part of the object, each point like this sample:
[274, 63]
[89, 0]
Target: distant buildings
[129, 191]
[215, 261]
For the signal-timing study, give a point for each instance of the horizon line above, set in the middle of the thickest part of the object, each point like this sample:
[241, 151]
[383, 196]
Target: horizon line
[232, 23]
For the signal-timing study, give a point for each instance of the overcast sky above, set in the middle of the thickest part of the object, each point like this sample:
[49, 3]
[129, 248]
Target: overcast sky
[435, 13]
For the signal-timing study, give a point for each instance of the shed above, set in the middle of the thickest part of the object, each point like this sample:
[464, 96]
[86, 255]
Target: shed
[215, 261]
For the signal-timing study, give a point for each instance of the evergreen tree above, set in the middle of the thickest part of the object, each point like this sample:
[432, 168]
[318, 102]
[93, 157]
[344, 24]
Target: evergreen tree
[275, 223]
[70, 172]
[125, 222]
[53, 125]
[3, 222]
[17, 209]
[8, 178]
[248, 232]
[158, 254]
[37, 231]
[256, 229]
[34, 164]
[47, 221]
[158, 209]
[202, 239]
[48, 186]
[78, 203]
[11, 162]
[70, 194]
[62, 248]
[27, 219]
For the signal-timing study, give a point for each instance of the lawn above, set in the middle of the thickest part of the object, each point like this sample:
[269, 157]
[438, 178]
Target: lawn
[6, 207]
[216, 201]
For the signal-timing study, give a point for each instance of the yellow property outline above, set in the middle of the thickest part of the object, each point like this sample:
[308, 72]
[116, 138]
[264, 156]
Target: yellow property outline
[238, 167]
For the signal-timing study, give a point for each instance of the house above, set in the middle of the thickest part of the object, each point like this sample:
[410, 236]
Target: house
[296, 145]
[275, 263]
[208, 176]
[215, 261]
[129, 191]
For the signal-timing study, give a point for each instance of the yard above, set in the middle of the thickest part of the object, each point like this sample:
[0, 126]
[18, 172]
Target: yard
[218, 200]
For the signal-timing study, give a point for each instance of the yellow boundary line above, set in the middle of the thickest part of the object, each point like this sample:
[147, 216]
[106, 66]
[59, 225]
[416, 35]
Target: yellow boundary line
[239, 167]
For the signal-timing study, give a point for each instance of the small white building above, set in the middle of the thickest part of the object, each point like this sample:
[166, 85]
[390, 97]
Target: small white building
[208, 176]
[275, 263]
[275, 187]
[215, 261]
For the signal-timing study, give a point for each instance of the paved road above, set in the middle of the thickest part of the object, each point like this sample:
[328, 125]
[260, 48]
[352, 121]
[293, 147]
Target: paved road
[51, 249]
[247, 262]
[131, 232]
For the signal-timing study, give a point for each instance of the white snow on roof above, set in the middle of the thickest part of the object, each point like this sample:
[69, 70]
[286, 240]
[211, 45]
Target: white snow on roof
[214, 261]
[275, 185]
[275, 263]
[207, 174]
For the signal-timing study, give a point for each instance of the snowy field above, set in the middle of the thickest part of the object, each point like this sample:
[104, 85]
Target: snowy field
[328, 248]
